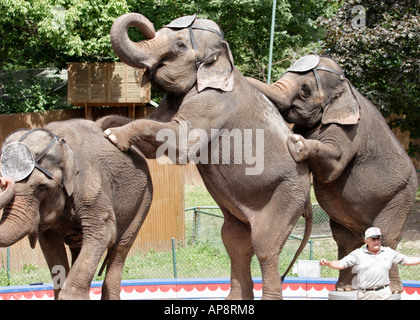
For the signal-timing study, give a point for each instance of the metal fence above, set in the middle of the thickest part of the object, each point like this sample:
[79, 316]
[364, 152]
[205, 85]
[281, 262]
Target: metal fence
[201, 254]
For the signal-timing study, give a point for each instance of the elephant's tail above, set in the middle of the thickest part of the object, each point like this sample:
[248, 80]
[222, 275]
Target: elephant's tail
[307, 214]
[104, 265]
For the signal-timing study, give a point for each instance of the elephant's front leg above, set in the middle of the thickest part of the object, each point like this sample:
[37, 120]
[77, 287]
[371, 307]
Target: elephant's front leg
[52, 245]
[137, 131]
[98, 234]
[149, 136]
[326, 159]
[78, 282]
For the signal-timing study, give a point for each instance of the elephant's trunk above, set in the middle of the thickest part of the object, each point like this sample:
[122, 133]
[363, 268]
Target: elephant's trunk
[278, 92]
[8, 193]
[19, 215]
[136, 54]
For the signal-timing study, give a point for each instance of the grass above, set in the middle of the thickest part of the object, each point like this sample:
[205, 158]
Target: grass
[198, 196]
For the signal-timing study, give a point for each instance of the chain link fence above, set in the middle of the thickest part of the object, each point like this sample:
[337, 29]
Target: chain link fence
[200, 255]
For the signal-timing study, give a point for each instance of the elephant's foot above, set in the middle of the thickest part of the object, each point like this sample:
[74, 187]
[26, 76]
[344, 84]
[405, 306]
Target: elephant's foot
[272, 296]
[237, 294]
[396, 286]
[118, 138]
[344, 286]
[66, 294]
[296, 145]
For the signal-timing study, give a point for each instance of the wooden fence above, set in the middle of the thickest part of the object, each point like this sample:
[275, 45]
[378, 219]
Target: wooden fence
[166, 218]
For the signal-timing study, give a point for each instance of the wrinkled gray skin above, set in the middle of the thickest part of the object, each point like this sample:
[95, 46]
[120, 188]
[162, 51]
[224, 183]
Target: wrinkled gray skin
[259, 210]
[362, 175]
[105, 199]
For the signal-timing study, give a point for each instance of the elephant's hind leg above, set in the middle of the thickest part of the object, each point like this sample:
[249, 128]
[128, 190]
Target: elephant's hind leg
[119, 251]
[391, 220]
[237, 240]
[112, 283]
[347, 241]
[270, 231]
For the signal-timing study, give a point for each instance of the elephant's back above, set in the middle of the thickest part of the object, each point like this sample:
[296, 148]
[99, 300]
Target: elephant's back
[103, 169]
[90, 144]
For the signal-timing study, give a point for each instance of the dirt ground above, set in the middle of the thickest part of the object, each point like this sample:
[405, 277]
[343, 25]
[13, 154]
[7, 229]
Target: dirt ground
[412, 228]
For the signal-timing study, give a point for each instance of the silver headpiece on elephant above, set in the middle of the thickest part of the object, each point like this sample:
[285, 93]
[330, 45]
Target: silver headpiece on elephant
[187, 22]
[18, 162]
[311, 62]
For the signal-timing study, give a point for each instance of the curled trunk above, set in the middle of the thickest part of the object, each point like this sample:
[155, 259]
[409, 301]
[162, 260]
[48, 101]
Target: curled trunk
[136, 54]
[20, 217]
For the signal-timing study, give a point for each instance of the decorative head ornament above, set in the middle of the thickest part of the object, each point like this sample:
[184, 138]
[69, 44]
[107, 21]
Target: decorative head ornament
[311, 62]
[18, 162]
[305, 63]
[187, 22]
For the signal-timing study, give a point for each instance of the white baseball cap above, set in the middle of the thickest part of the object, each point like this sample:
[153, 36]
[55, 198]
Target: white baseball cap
[372, 232]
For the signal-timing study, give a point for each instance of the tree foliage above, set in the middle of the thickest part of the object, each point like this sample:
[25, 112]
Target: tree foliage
[31, 94]
[40, 33]
[377, 43]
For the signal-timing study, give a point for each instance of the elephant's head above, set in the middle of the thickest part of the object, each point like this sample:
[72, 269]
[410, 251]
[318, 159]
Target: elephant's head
[313, 90]
[186, 52]
[38, 170]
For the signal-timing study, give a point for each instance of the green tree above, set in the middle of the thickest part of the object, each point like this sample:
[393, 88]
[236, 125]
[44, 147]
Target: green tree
[40, 33]
[377, 43]
[31, 94]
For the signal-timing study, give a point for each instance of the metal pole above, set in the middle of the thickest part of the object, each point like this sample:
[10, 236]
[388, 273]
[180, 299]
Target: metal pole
[8, 266]
[174, 258]
[194, 230]
[270, 58]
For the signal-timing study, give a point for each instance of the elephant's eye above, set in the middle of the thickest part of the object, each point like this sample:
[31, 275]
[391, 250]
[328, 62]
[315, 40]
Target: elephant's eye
[180, 44]
[305, 91]
[41, 190]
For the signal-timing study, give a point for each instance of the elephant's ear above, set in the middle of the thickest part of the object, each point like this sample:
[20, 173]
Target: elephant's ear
[343, 110]
[70, 168]
[217, 71]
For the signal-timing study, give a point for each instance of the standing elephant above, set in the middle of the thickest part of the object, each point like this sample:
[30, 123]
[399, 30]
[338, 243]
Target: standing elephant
[67, 184]
[362, 175]
[259, 187]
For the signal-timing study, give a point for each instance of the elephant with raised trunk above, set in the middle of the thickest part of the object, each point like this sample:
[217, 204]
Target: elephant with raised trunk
[67, 184]
[191, 62]
[362, 175]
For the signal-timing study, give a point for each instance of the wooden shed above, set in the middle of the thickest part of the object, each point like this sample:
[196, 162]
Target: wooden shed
[106, 84]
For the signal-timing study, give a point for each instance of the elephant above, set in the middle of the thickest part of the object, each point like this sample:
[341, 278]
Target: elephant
[208, 101]
[67, 184]
[361, 174]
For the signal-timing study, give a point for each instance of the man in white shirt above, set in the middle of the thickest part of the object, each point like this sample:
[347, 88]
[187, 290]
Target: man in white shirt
[372, 264]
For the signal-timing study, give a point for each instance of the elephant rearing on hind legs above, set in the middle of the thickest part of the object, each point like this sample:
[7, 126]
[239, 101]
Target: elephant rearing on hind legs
[362, 175]
[259, 187]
